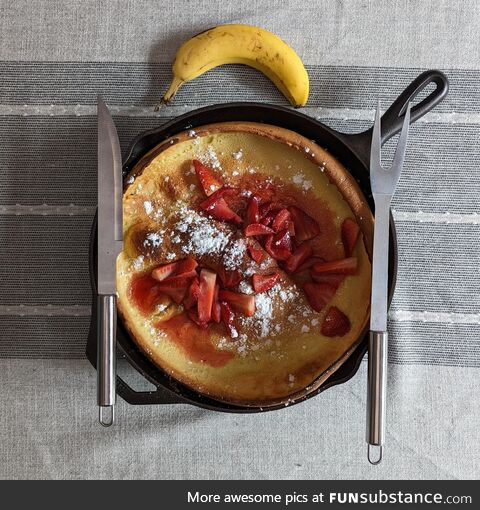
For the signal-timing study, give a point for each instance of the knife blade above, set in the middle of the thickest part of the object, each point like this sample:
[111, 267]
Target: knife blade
[110, 244]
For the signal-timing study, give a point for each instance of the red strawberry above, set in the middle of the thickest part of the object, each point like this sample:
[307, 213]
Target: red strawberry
[309, 263]
[282, 240]
[230, 277]
[299, 256]
[192, 294]
[274, 251]
[318, 294]
[290, 226]
[205, 298]
[257, 229]
[350, 231]
[343, 266]
[162, 272]
[193, 316]
[255, 253]
[266, 208]
[281, 219]
[336, 323]
[207, 180]
[216, 305]
[220, 210]
[331, 278]
[184, 267]
[227, 315]
[220, 193]
[252, 215]
[305, 226]
[243, 303]
[268, 218]
[144, 293]
[262, 283]
[175, 287]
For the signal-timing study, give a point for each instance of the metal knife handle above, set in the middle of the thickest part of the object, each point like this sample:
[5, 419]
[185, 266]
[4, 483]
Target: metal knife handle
[106, 358]
[376, 396]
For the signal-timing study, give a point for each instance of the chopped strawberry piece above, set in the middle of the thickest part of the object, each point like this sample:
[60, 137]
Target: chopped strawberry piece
[220, 193]
[216, 305]
[282, 240]
[290, 226]
[192, 294]
[252, 214]
[309, 263]
[205, 298]
[193, 316]
[262, 283]
[268, 218]
[228, 316]
[243, 303]
[206, 178]
[230, 277]
[176, 290]
[336, 323]
[318, 294]
[274, 251]
[343, 266]
[299, 256]
[144, 293]
[350, 231]
[280, 221]
[305, 226]
[257, 229]
[184, 267]
[220, 210]
[331, 278]
[266, 208]
[162, 272]
[255, 253]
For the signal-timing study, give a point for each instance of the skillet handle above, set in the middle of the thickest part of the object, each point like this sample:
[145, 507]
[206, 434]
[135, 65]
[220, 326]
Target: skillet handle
[392, 119]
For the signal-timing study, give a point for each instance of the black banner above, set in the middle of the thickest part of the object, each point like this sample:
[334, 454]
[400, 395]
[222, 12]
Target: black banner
[274, 494]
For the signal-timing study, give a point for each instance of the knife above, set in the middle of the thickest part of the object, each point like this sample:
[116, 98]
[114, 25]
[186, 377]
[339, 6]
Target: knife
[110, 244]
[383, 183]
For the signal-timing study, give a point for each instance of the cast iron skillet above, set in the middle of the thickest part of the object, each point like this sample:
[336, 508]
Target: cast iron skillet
[351, 150]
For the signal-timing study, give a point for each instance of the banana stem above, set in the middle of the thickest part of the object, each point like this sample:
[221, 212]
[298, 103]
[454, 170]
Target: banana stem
[170, 93]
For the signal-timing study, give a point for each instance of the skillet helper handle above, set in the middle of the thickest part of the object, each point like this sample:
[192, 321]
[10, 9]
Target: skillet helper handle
[106, 359]
[376, 394]
[392, 119]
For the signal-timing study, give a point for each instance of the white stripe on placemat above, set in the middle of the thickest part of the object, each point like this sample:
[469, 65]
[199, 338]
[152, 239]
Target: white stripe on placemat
[80, 110]
[436, 317]
[46, 210]
[445, 217]
[84, 311]
[79, 210]
[45, 310]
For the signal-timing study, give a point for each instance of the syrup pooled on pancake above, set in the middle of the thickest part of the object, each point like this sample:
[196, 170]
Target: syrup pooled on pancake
[236, 278]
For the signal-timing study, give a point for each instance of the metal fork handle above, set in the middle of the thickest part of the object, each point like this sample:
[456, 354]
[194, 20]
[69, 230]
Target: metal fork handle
[376, 394]
[106, 359]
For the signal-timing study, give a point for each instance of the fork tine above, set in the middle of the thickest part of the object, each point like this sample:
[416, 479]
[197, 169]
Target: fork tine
[376, 146]
[399, 157]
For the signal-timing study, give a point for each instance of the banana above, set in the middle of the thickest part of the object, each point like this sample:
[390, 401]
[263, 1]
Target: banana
[241, 44]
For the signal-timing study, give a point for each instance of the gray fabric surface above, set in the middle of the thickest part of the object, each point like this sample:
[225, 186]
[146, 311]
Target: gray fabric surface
[356, 52]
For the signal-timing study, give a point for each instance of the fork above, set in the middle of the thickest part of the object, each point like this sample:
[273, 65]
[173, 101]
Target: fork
[383, 182]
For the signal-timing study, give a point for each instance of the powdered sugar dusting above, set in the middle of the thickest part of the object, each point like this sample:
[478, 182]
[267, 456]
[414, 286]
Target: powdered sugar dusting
[147, 205]
[300, 180]
[203, 235]
[234, 254]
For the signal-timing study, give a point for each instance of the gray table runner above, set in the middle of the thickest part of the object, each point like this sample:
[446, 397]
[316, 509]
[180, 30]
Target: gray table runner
[48, 197]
